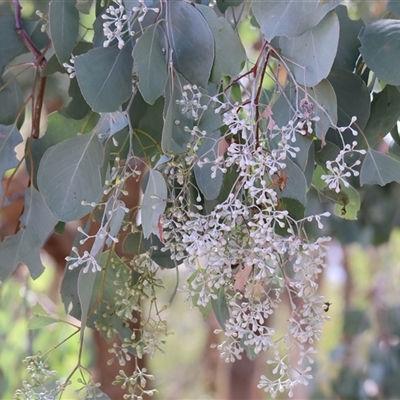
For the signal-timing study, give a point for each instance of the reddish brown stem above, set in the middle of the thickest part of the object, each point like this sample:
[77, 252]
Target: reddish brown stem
[40, 63]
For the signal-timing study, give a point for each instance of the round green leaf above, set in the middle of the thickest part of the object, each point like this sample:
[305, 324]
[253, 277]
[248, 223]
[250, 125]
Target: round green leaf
[69, 173]
[105, 77]
[380, 47]
[311, 55]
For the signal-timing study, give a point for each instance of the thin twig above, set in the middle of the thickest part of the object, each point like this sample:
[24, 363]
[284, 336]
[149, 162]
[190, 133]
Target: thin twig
[40, 64]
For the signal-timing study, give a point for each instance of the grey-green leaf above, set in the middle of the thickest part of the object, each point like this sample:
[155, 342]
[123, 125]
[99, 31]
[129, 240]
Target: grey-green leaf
[348, 48]
[40, 321]
[207, 154]
[353, 97]
[154, 203]
[64, 27]
[190, 40]
[11, 44]
[9, 138]
[296, 184]
[379, 168]
[175, 138]
[229, 51]
[289, 18]
[59, 128]
[84, 6]
[151, 65]
[69, 173]
[311, 55]
[380, 45]
[385, 111]
[11, 99]
[394, 7]
[86, 281]
[36, 223]
[220, 307]
[104, 75]
[325, 107]
[224, 4]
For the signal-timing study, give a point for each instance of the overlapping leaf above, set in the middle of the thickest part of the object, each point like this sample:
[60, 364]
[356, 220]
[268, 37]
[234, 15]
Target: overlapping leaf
[295, 185]
[352, 98]
[324, 103]
[224, 4]
[394, 7]
[69, 174]
[152, 67]
[385, 111]
[175, 138]
[154, 203]
[229, 52]
[59, 128]
[325, 107]
[11, 99]
[64, 27]
[352, 206]
[380, 45]
[36, 223]
[348, 48]
[289, 18]
[220, 307]
[192, 51]
[104, 75]
[379, 169]
[10, 43]
[207, 154]
[311, 55]
[9, 138]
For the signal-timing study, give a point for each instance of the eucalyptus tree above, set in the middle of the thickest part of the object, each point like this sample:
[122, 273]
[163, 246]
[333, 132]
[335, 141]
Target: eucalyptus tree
[234, 144]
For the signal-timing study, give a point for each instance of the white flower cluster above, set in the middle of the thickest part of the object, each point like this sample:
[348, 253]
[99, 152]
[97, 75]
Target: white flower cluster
[190, 101]
[135, 383]
[119, 20]
[250, 249]
[339, 169]
[110, 223]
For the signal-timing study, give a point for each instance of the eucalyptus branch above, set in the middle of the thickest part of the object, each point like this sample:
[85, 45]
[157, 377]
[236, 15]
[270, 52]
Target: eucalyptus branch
[40, 64]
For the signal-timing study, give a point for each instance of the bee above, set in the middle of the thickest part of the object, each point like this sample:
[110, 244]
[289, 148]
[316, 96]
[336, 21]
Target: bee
[326, 306]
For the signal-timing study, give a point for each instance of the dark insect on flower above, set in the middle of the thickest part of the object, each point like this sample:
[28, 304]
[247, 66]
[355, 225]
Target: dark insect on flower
[327, 305]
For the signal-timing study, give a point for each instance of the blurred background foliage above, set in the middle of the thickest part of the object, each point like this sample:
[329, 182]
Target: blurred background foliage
[359, 357]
